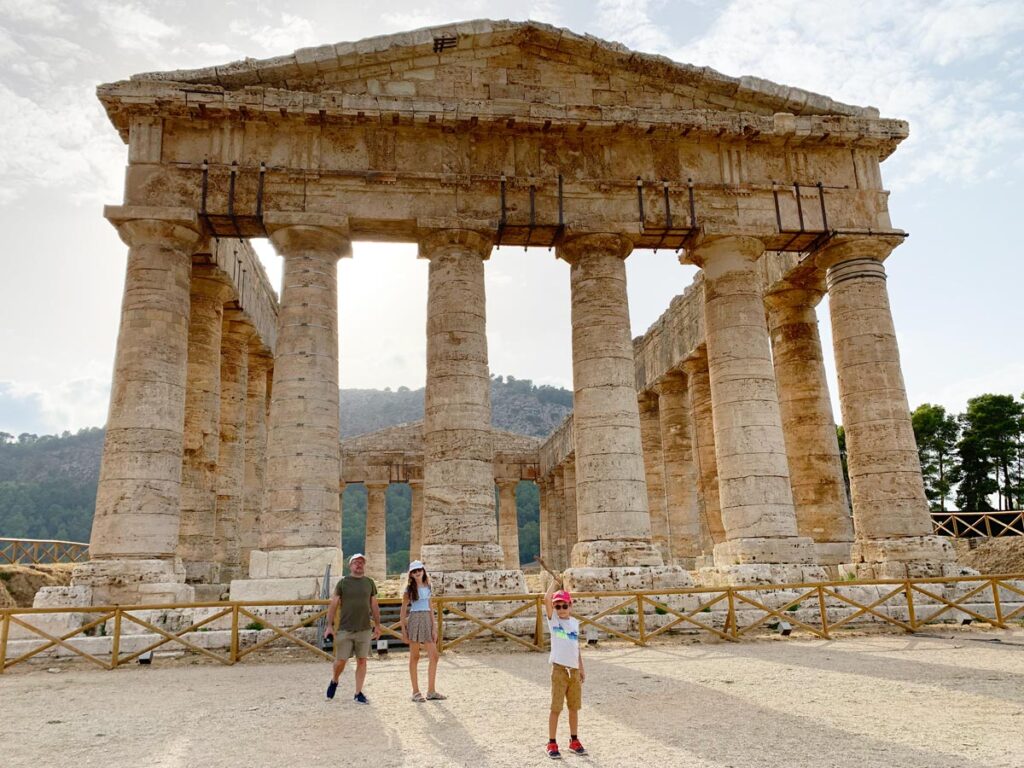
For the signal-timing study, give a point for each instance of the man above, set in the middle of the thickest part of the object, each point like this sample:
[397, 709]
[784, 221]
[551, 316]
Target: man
[356, 596]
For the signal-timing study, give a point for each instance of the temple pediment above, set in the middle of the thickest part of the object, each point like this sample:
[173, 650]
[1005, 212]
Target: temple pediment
[494, 70]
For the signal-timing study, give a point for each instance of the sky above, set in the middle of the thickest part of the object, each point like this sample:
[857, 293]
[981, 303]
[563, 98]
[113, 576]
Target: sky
[953, 68]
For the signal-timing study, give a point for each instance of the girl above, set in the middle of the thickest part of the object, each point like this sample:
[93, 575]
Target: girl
[419, 630]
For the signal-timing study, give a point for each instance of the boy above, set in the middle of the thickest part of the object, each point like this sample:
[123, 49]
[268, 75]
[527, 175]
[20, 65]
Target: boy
[567, 673]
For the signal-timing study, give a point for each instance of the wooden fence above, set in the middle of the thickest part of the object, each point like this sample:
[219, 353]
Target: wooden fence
[42, 551]
[968, 525]
[728, 613]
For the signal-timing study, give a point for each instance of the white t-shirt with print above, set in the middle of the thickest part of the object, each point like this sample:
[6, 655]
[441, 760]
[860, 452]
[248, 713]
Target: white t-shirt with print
[565, 641]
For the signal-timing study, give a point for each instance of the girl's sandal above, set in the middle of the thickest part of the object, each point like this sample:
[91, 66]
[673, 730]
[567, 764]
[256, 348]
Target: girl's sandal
[418, 697]
[435, 696]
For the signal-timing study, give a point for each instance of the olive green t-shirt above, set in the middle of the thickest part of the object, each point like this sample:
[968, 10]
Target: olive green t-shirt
[355, 593]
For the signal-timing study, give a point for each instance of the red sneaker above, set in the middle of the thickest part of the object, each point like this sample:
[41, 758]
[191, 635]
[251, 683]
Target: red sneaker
[577, 747]
[553, 752]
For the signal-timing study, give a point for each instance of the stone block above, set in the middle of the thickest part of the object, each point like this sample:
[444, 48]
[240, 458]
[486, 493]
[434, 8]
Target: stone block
[251, 590]
[295, 563]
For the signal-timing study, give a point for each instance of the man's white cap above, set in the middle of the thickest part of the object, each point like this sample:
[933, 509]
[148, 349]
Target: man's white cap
[357, 554]
[414, 565]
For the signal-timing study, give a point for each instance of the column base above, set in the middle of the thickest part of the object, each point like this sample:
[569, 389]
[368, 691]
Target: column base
[905, 557]
[122, 581]
[621, 578]
[491, 582]
[744, 574]
[832, 552]
[615, 553]
[462, 557]
[796, 550]
[288, 574]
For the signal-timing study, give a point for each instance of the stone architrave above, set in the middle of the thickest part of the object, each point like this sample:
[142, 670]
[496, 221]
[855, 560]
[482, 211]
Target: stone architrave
[260, 365]
[376, 531]
[654, 472]
[890, 510]
[416, 520]
[301, 525]
[682, 511]
[459, 528]
[234, 378]
[508, 522]
[611, 492]
[753, 472]
[699, 385]
[570, 520]
[815, 467]
[210, 289]
[133, 547]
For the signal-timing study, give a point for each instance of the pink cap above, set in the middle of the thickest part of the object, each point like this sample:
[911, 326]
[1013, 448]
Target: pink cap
[561, 596]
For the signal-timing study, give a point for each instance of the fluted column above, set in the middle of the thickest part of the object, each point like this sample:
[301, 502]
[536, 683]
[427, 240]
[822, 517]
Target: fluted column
[654, 472]
[508, 522]
[556, 518]
[890, 510]
[459, 529]
[570, 515]
[255, 451]
[544, 519]
[234, 385]
[682, 512]
[416, 521]
[376, 531]
[138, 500]
[753, 473]
[815, 468]
[699, 385]
[210, 289]
[611, 492]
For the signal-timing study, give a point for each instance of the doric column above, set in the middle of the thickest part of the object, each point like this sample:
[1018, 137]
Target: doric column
[890, 510]
[683, 512]
[508, 523]
[699, 385]
[753, 473]
[459, 529]
[301, 525]
[611, 492]
[210, 289]
[570, 524]
[255, 451]
[416, 521]
[654, 472]
[556, 520]
[544, 518]
[234, 386]
[815, 468]
[138, 501]
[376, 531]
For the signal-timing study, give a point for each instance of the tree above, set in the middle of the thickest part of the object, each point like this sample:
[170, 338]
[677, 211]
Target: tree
[991, 437]
[841, 437]
[936, 433]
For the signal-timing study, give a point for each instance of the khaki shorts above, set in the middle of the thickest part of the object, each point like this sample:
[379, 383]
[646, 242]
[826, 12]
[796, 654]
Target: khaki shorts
[566, 688]
[348, 643]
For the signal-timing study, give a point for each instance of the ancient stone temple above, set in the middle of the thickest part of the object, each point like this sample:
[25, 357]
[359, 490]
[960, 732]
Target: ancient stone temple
[705, 447]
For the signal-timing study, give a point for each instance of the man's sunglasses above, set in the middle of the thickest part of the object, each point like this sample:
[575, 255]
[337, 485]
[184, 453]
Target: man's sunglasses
[560, 606]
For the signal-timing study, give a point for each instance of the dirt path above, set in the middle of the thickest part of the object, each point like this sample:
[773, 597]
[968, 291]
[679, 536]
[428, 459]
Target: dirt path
[940, 701]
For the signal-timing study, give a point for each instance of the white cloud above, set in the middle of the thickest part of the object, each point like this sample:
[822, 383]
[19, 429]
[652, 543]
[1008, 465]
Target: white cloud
[133, 27]
[46, 13]
[629, 22]
[290, 33]
[64, 405]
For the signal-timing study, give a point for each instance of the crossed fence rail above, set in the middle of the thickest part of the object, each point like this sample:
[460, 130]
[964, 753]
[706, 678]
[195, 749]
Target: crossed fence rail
[42, 551]
[964, 525]
[729, 613]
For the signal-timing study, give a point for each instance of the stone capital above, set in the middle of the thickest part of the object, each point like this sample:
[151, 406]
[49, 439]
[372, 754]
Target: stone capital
[329, 240]
[647, 402]
[719, 255]
[697, 361]
[210, 280]
[797, 297]
[575, 246]
[672, 382]
[376, 486]
[506, 485]
[177, 228]
[868, 247]
[440, 241]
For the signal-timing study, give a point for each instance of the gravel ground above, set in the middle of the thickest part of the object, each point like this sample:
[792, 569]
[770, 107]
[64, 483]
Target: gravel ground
[952, 698]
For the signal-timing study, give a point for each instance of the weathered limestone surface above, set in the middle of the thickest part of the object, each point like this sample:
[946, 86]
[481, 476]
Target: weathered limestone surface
[416, 523]
[815, 468]
[544, 518]
[686, 540]
[376, 531]
[508, 523]
[613, 520]
[893, 528]
[459, 530]
[570, 515]
[256, 405]
[556, 517]
[753, 473]
[210, 289]
[699, 381]
[654, 473]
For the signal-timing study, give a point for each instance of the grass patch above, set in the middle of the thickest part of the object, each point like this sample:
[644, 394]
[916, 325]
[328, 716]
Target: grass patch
[257, 625]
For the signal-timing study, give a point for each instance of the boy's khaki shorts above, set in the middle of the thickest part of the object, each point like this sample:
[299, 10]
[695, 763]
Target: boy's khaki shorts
[348, 643]
[565, 688]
